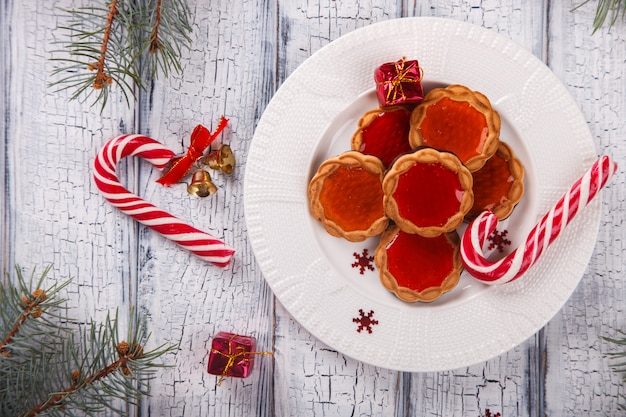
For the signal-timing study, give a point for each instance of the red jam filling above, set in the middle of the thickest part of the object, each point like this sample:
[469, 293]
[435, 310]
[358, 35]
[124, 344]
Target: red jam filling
[492, 184]
[387, 136]
[428, 194]
[418, 262]
[352, 197]
[454, 126]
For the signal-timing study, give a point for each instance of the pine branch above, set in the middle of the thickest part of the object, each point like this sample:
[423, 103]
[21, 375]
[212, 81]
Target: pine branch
[155, 43]
[607, 9]
[167, 22]
[31, 308]
[619, 366]
[123, 46]
[102, 78]
[46, 368]
[97, 57]
[32, 303]
[126, 354]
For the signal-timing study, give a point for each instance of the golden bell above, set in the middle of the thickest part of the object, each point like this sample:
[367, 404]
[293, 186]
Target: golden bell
[201, 184]
[222, 159]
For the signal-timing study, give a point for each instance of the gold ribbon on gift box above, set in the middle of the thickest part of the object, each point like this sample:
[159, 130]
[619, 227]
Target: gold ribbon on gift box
[239, 354]
[401, 77]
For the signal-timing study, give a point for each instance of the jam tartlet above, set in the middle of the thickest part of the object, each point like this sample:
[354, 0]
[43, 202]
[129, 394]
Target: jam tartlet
[428, 192]
[383, 132]
[346, 196]
[498, 185]
[458, 120]
[417, 268]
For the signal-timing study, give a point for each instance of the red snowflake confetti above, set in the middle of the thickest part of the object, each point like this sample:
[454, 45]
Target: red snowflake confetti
[363, 261]
[365, 321]
[498, 240]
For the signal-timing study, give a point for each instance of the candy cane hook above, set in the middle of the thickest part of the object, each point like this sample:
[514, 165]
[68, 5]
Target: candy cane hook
[196, 241]
[541, 236]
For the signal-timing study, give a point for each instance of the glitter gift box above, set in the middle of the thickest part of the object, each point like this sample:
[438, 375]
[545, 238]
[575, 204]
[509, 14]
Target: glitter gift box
[399, 82]
[231, 355]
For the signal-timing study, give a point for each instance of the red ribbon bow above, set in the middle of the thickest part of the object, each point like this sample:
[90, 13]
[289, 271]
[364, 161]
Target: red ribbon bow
[201, 138]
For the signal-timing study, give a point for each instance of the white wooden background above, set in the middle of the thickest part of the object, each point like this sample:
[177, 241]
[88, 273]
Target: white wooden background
[242, 51]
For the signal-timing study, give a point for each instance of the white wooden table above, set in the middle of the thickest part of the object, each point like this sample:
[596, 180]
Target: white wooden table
[241, 53]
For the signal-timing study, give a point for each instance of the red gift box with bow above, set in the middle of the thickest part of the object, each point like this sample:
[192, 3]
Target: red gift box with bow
[399, 82]
[232, 355]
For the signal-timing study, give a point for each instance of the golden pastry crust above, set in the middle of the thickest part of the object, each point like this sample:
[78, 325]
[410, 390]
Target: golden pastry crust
[428, 156]
[502, 204]
[477, 153]
[350, 205]
[405, 293]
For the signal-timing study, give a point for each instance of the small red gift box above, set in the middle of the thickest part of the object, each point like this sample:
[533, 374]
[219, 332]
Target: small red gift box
[232, 355]
[399, 82]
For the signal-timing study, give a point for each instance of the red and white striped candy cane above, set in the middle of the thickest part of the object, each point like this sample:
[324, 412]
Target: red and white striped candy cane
[196, 241]
[543, 234]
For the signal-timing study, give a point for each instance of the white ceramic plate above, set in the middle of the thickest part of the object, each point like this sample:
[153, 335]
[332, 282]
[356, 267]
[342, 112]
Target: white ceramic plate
[313, 115]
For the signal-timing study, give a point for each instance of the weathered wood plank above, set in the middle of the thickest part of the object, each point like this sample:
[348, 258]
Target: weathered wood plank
[509, 373]
[312, 379]
[5, 82]
[54, 214]
[510, 383]
[229, 70]
[579, 379]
